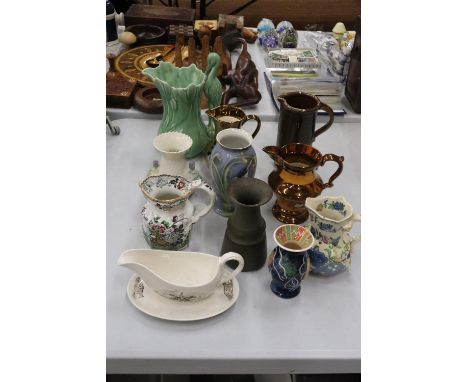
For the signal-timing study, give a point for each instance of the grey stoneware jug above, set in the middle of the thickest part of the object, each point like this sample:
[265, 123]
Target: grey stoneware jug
[245, 232]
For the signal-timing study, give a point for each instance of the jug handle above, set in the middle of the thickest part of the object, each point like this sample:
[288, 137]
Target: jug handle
[202, 208]
[354, 218]
[325, 127]
[334, 158]
[231, 256]
[253, 117]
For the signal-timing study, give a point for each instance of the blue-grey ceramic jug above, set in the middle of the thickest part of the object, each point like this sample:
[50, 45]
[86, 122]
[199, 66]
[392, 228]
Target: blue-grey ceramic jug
[233, 157]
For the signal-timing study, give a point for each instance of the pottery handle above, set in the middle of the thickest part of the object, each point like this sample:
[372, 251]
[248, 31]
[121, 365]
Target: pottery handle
[354, 241]
[253, 117]
[231, 256]
[334, 158]
[202, 209]
[331, 116]
[354, 218]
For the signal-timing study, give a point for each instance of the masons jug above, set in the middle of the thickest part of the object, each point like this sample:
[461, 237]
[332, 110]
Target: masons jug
[331, 219]
[168, 215]
[180, 90]
[295, 179]
[298, 113]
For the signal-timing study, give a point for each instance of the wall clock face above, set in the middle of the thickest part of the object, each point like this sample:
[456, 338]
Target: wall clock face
[131, 62]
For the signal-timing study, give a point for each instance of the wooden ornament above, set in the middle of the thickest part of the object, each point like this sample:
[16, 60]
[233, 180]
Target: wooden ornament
[119, 90]
[243, 81]
[158, 15]
[225, 66]
[191, 51]
[205, 51]
[148, 100]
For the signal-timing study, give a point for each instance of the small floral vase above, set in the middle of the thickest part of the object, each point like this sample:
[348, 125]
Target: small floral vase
[168, 215]
[288, 263]
[331, 218]
[233, 157]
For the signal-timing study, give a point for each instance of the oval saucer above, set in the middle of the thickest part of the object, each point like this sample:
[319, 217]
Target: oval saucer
[153, 304]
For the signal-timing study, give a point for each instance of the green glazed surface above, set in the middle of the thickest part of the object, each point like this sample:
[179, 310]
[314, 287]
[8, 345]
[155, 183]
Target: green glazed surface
[180, 90]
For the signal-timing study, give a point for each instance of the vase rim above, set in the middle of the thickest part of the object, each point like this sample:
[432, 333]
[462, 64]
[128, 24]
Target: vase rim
[159, 142]
[171, 68]
[265, 192]
[232, 131]
[185, 193]
[312, 243]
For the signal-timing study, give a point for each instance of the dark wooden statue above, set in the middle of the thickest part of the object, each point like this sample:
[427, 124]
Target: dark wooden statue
[243, 80]
[225, 59]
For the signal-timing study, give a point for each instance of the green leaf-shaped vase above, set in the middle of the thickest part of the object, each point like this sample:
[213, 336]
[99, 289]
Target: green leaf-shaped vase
[180, 90]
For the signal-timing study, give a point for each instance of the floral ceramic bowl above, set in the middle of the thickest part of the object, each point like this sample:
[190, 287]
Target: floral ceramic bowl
[293, 238]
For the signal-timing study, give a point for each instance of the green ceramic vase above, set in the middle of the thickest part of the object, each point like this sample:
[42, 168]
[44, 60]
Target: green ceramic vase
[180, 90]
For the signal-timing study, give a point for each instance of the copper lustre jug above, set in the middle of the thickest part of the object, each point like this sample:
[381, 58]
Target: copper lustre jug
[298, 113]
[295, 179]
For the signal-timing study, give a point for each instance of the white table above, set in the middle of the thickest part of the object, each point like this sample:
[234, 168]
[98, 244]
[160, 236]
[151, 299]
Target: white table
[316, 332]
[265, 109]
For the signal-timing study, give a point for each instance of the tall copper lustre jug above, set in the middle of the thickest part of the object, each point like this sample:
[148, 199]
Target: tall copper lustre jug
[295, 179]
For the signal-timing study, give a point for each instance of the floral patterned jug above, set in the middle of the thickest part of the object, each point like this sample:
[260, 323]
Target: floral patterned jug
[168, 215]
[331, 219]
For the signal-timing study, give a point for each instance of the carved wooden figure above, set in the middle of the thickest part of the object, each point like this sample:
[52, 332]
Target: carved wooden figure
[119, 90]
[178, 51]
[243, 80]
[204, 30]
[205, 50]
[225, 60]
[191, 59]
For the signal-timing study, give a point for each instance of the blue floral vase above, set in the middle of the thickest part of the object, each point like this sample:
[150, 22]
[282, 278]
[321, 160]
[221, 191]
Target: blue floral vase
[233, 157]
[288, 263]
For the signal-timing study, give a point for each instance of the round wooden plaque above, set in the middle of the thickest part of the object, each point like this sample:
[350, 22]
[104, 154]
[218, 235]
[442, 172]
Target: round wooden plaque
[131, 62]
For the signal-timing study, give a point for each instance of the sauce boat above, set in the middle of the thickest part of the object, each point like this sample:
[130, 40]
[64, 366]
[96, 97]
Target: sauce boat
[179, 275]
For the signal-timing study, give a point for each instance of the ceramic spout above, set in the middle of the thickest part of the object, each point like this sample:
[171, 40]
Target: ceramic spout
[274, 153]
[135, 260]
[312, 203]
